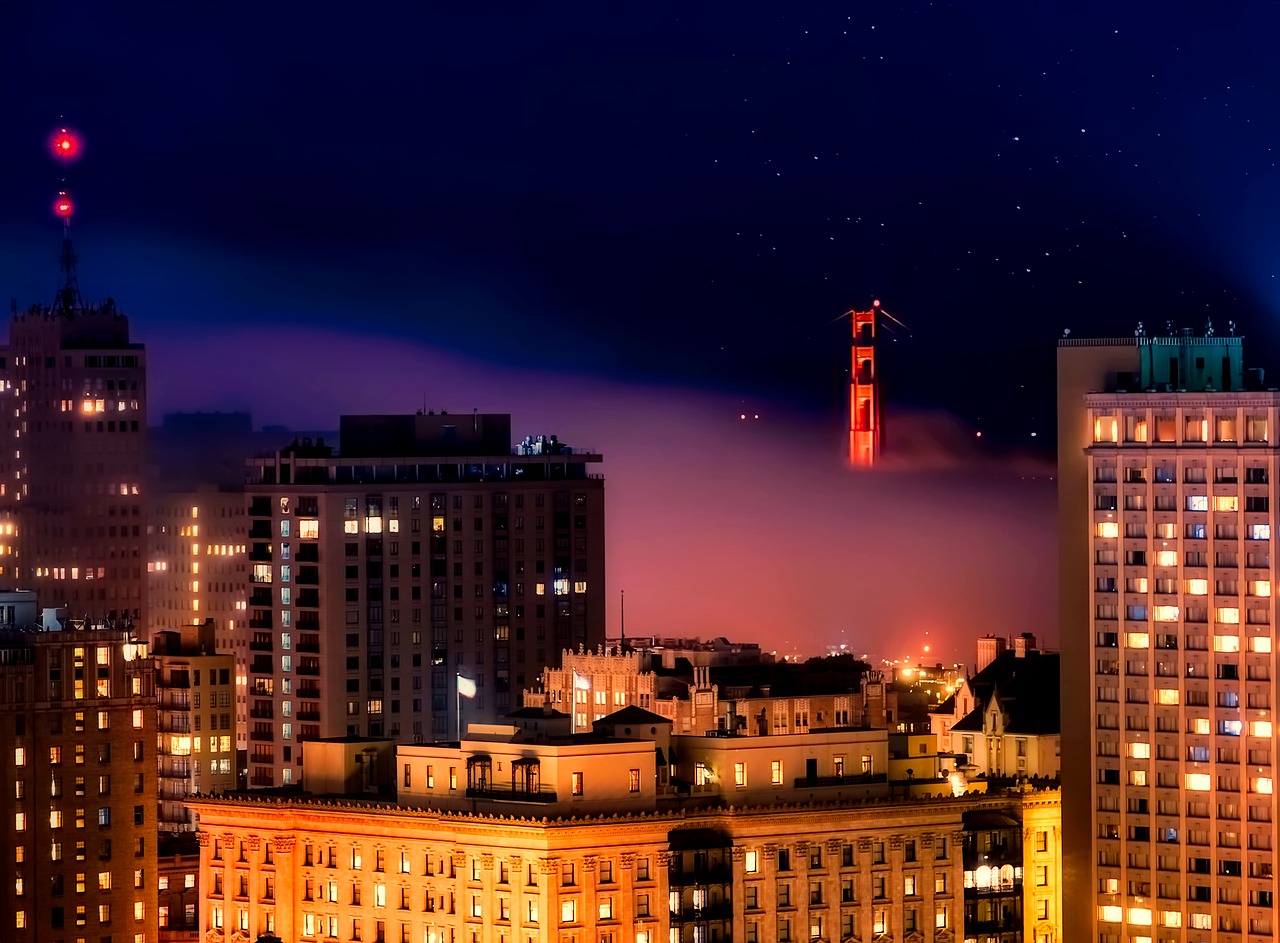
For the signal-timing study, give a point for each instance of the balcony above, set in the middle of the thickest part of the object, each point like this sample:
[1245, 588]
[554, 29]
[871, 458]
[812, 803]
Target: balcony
[309, 644]
[265, 713]
[308, 713]
[308, 691]
[260, 643]
[173, 723]
[307, 670]
[260, 530]
[267, 735]
[173, 700]
[721, 873]
[499, 793]
[261, 596]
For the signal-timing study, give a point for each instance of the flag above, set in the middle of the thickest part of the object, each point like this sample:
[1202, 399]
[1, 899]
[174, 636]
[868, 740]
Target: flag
[581, 682]
[466, 687]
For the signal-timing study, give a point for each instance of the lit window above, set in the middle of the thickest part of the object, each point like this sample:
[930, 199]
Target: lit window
[1167, 696]
[1226, 643]
[308, 529]
[752, 862]
[1225, 502]
[1259, 531]
[568, 911]
[1197, 502]
[1106, 429]
[1171, 918]
[560, 586]
[1140, 751]
[1227, 615]
[1137, 640]
[1165, 614]
[1260, 643]
[1110, 914]
[1139, 916]
[739, 774]
[1198, 587]
[1108, 529]
[1201, 921]
[1137, 777]
[1262, 785]
[1260, 728]
[1200, 725]
[775, 768]
[1197, 782]
[1166, 558]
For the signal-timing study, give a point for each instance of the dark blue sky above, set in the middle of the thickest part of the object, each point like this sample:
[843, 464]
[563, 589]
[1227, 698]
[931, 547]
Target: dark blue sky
[677, 194]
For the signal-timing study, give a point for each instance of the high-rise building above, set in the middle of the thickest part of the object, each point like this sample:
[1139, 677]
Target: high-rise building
[78, 811]
[1167, 467]
[73, 465]
[426, 548]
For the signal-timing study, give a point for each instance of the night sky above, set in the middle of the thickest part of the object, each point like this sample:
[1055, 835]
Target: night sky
[631, 223]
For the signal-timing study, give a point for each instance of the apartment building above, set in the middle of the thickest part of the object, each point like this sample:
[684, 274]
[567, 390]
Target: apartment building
[1004, 721]
[626, 833]
[198, 573]
[73, 405]
[78, 811]
[1168, 469]
[195, 725]
[426, 548]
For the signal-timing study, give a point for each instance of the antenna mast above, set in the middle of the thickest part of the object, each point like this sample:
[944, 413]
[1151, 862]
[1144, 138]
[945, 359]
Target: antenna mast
[65, 146]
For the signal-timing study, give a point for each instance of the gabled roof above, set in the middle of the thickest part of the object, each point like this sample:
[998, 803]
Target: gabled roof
[1025, 689]
[633, 715]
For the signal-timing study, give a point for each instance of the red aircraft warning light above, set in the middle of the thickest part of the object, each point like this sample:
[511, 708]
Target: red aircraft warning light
[63, 206]
[65, 144]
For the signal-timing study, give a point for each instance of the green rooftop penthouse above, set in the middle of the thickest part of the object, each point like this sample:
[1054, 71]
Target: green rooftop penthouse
[1180, 363]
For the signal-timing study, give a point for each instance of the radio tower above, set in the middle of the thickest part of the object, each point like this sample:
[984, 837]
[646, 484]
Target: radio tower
[864, 397]
[66, 149]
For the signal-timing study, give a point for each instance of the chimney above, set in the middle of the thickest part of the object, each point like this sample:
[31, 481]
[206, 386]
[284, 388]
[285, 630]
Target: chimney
[1024, 644]
[989, 649]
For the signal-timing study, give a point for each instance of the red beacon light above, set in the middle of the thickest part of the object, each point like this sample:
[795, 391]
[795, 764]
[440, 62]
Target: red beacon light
[63, 207]
[65, 144]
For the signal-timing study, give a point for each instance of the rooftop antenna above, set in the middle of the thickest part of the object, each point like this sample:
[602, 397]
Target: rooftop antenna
[1208, 328]
[1231, 328]
[1141, 331]
[622, 624]
[65, 146]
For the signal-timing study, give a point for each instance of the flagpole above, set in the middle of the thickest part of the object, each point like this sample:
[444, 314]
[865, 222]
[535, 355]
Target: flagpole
[458, 692]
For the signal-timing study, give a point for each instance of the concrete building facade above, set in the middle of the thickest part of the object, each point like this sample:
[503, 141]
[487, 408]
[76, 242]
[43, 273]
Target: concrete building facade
[73, 468]
[601, 850]
[427, 549]
[1168, 470]
[195, 723]
[78, 811]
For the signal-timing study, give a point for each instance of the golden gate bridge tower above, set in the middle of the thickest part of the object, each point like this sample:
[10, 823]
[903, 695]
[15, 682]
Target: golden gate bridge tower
[864, 395]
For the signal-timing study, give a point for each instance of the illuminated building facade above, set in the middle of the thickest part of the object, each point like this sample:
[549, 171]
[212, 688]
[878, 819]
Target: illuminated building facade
[612, 679]
[427, 548]
[1005, 719]
[1168, 466]
[78, 810]
[72, 469]
[195, 723]
[582, 839]
[198, 574]
[864, 397]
